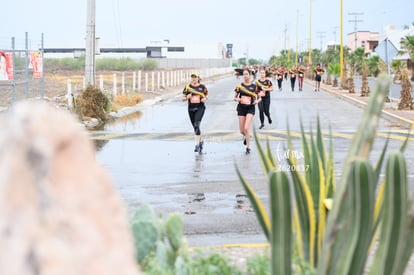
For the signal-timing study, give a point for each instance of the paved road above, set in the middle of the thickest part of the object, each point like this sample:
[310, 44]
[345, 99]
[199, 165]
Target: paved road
[395, 88]
[150, 156]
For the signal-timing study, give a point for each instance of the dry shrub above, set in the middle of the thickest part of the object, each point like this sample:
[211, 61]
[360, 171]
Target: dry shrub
[93, 103]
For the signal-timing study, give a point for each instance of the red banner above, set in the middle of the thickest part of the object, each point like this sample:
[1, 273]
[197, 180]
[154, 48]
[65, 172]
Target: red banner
[6, 66]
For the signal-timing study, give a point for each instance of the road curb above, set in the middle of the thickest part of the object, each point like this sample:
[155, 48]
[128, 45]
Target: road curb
[401, 121]
[240, 245]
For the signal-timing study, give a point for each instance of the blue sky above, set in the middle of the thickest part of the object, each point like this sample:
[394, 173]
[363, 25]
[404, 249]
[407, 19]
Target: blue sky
[256, 27]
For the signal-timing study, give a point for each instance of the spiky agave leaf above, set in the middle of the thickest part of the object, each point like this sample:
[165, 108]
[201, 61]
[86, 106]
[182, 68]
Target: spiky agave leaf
[266, 158]
[281, 218]
[257, 205]
[304, 208]
[360, 147]
[392, 242]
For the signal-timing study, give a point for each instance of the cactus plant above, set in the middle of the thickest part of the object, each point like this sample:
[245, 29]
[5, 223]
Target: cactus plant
[151, 235]
[146, 231]
[281, 220]
[175, 231]
[396, 241]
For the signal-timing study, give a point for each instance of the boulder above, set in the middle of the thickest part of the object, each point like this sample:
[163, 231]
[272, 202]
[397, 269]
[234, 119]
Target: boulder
[59, 211]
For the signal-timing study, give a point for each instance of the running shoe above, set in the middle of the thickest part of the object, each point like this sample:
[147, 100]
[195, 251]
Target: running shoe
[261, 126]
[197, 148]
[247, 151]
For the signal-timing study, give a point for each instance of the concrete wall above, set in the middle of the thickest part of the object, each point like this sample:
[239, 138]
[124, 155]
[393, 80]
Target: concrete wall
[192, 63]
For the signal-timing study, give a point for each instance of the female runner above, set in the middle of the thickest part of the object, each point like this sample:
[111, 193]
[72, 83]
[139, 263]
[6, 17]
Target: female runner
[266, 87]
[196, 95]
[247, 96]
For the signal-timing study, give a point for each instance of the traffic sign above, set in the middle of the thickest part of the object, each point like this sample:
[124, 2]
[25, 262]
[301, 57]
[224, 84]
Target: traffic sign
[386, 50]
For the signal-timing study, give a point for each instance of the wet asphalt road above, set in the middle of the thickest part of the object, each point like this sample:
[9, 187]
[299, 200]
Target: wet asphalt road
[151, 160]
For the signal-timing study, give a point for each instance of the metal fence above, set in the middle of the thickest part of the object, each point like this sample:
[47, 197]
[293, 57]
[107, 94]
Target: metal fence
[57, 85]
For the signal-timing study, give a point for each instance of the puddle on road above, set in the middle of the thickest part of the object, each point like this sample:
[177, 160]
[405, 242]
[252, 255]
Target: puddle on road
[218, 203]
[124, 121]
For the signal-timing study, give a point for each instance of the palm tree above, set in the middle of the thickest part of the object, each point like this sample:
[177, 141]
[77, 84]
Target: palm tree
[373, 65]
[316, 56]
[334, 69]
[331, 55]
[359, 58]
[407, 46]
[406, 102]
[397, 66]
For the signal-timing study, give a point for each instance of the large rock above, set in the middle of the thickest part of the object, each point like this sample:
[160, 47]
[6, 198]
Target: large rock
[59, 212]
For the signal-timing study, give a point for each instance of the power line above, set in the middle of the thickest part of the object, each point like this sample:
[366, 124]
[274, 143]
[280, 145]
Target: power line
[356, 20]
[117, 22]
[321, 36]
[334, 33]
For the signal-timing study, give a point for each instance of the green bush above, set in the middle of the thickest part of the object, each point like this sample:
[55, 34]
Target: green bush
[161, 247]
[67, 63]
[214, 264]
[148, 65]
[103, 64]
[117, 64]
[258, 265]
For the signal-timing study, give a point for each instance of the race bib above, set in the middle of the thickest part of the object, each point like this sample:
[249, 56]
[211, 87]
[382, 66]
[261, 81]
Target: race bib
[245, 99]
[195, 99]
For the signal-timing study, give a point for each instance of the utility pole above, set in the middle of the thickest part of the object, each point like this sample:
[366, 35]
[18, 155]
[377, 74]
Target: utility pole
[321, 36]
[42, 80]
[90, 65]
[297, 35]
[356, 20]
[285, 31]
[334, 33]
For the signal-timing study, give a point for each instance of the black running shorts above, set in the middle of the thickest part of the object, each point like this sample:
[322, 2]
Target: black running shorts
[244, 109]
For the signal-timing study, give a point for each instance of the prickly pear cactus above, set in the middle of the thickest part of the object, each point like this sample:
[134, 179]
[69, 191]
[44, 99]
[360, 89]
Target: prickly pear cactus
[146, 230]
[175, 231]
[145, 235]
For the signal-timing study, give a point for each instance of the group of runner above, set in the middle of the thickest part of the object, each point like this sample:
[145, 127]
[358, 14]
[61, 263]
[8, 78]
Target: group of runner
[249, 93]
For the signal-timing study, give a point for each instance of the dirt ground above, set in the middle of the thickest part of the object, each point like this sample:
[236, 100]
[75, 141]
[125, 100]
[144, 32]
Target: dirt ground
[57, 83]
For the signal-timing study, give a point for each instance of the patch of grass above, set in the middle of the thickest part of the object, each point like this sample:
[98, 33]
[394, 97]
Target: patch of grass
[125, 100]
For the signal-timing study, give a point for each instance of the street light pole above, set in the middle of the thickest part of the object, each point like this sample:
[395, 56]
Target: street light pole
[310, 33]
[341, 48]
